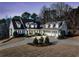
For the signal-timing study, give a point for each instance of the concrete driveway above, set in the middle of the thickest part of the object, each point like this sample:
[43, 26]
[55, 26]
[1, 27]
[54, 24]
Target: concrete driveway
[30, 40]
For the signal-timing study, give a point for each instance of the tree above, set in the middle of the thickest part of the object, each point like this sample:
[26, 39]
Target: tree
[16, 18]
[25, 15]
[57, 11]
[77, 17]
[61, 9]
[2, 21]
[73, 15]
[34, 16]
[47, 40]
[41, 40]
[44, 14]
[35, 41]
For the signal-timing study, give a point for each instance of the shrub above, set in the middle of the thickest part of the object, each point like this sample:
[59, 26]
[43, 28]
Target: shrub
[15, 34]
[63, 33]
[62, 36]
[41, 40]
[70, 33]
[47, 40]
[35, 41]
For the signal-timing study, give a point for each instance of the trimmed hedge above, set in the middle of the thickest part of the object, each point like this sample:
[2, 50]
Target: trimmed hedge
[47, 40]
[41, 40]
[35, 41]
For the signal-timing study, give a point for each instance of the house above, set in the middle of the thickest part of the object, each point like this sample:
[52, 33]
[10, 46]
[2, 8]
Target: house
[21, 27]
[55, 28]
[16, 28]
[29, 27]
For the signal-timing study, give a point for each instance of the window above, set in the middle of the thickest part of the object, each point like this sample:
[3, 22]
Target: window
[51, 25]
[20, 31]
[18, 24]
[35, 25]
[46, 26]
[32, 26]
[27, 25]
[54, 31]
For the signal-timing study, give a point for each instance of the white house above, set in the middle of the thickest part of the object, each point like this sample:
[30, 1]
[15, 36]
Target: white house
[20, 27]
[55, 28]
[16, 27]
[25, 27]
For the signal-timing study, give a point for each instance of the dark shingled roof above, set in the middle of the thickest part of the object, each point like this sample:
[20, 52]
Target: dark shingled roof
[15, 25]
[23, 22]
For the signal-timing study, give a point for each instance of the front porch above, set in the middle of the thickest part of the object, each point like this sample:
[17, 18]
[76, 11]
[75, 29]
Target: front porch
[35, 32]
[46, 32]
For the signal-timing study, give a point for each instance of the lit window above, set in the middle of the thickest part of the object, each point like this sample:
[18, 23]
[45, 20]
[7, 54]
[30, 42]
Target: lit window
[46, 25]
[32, 26]
[18, 24]
[51, 25]
[27, 25]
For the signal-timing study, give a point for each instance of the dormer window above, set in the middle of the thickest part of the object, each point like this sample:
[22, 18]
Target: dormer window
[35, 26]
[32, 26]
[27, 25]
[46, 26]
[51, 25]
[18, 24]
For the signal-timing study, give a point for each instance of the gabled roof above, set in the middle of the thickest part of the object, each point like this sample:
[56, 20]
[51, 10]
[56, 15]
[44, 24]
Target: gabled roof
[25, 21]
[56, 24]
[15, 25]
[30, 22]
[21, 23]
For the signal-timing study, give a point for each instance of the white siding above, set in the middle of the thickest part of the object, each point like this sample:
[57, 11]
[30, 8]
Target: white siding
[11, 30]
[46, 26]
[56, 25]
[51, 25]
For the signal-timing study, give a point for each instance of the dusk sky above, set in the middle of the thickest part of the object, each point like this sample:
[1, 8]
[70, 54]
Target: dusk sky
[17, 8]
